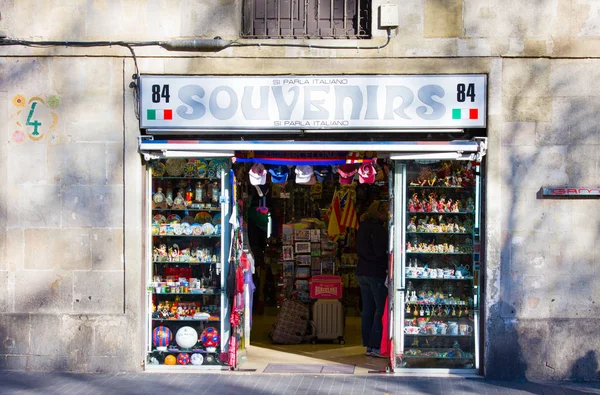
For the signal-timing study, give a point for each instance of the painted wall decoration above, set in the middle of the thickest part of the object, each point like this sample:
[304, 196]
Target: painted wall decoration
[36, 118]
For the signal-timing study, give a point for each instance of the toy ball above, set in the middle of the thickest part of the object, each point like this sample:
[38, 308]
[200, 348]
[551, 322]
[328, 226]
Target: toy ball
[197, 359]
[186, 337]
[210, 338]
[183, 358]
[170, 360]
[161, 336]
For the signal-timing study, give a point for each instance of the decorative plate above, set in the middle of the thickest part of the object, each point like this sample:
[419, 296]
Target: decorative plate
[159, 219]
[187, 218]
[201, 168]
[189, 170]
[196, 230]
[202, 217]
[155, 229]
[208, 229]
[158, 169]
[177, 229]
[216, 219]
[218, 229]
[212, 173]
[174, 219]
[186, 228]
[219, 168]
[175, 166]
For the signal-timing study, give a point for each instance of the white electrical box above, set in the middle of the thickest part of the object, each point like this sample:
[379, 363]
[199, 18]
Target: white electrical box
[388, 15]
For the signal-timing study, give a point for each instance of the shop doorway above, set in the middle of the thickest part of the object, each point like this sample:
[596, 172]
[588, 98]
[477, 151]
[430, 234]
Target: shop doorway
[288, 216]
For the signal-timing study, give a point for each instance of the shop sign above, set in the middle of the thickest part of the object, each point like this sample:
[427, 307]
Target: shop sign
[313, 102]
[570, 191]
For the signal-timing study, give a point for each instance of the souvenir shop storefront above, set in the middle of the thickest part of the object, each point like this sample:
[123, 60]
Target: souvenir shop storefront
[245, 173]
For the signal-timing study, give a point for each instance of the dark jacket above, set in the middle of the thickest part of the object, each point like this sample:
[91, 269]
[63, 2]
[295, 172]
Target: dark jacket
[371, 245]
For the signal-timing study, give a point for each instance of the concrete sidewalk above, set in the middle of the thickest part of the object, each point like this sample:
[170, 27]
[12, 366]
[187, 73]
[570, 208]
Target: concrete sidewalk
[246, 383]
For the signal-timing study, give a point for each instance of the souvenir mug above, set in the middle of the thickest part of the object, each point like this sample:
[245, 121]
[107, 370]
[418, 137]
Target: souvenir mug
[443, 327]
[421, 322]
[440, 273]
[409, 322]
[411, 330]
[453, 328]
[465, 329]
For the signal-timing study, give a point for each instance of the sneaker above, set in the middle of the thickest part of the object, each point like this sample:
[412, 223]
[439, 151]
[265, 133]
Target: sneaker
[369, 351]
[375, 352]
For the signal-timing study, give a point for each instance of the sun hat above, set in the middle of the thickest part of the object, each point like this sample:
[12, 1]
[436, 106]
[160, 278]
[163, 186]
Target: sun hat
[304, 174]
[346, 173]
[279, 174]
[258, 174]
[366, 173]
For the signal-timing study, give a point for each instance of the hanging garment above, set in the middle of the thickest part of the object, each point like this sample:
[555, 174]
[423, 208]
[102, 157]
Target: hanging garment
[385, 335]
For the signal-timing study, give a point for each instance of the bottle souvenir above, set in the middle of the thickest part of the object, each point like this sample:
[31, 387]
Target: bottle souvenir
[189, 194]
[216, 192]
[200, 192]
[159, 198]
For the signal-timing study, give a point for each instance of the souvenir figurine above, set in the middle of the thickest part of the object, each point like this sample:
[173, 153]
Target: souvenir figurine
[179, 201]
[159, 199]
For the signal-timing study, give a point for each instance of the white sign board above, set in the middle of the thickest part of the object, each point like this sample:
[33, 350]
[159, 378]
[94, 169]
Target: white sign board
[313, 102]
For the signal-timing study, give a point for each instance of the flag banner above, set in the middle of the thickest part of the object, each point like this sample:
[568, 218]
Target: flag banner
[465, 113]
[334, 227]
[164, 114]
[349, 219]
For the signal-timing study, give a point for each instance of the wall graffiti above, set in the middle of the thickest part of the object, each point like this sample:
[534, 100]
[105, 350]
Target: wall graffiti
[36, 118]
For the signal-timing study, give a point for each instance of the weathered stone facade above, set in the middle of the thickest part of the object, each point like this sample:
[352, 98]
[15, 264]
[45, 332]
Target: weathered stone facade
[71, 226]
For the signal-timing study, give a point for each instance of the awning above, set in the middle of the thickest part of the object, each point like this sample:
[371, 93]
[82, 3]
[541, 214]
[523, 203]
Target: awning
[458, 149]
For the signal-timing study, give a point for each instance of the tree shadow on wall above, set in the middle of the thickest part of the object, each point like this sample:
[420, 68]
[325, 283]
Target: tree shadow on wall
[502, 335]
[586, 368]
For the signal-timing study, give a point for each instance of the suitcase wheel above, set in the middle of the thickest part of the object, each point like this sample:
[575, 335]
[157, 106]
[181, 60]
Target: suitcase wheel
[341, 340]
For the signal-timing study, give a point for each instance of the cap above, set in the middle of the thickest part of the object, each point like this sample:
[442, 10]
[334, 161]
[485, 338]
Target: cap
[303, 174]
[258, 174]
[366, 173]
[322, 173]
[346, 173]
[279, 174]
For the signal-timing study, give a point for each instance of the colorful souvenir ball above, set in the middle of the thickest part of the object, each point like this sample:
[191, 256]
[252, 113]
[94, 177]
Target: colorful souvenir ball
[186, 337]
[161, 336]
[183, 358]
[210, 337]
[170, 360]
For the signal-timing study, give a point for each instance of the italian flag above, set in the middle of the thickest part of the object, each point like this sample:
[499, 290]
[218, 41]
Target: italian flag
[155, 115]
[465, 113]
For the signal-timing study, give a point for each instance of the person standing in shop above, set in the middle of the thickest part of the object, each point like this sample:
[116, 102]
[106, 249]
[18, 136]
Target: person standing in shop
[371, 271]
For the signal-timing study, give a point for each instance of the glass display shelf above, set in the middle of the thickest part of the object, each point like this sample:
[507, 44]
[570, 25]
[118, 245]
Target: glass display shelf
[185, 320]
[203, 291]
[188, 209]
[437, 187]
[468, 278]
[436, 357]
[173, 350]
[440, 253]
[190, 236]
[442, 212]
[436, 335]
[188, 178]
[188, 262]
[439, 233]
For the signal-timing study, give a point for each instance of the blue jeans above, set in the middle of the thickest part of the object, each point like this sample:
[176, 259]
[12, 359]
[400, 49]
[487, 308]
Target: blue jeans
[373, 292]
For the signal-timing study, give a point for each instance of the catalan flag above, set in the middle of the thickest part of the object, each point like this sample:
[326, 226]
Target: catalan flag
[349, 219]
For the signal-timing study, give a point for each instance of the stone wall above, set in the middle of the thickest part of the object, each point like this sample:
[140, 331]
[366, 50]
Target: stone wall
[71, 271]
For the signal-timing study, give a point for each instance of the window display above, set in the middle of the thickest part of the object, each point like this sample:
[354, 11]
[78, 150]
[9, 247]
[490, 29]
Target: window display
[441, 265]
[185, 284]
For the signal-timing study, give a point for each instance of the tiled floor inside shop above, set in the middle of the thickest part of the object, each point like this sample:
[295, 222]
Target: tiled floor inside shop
[323, 357]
